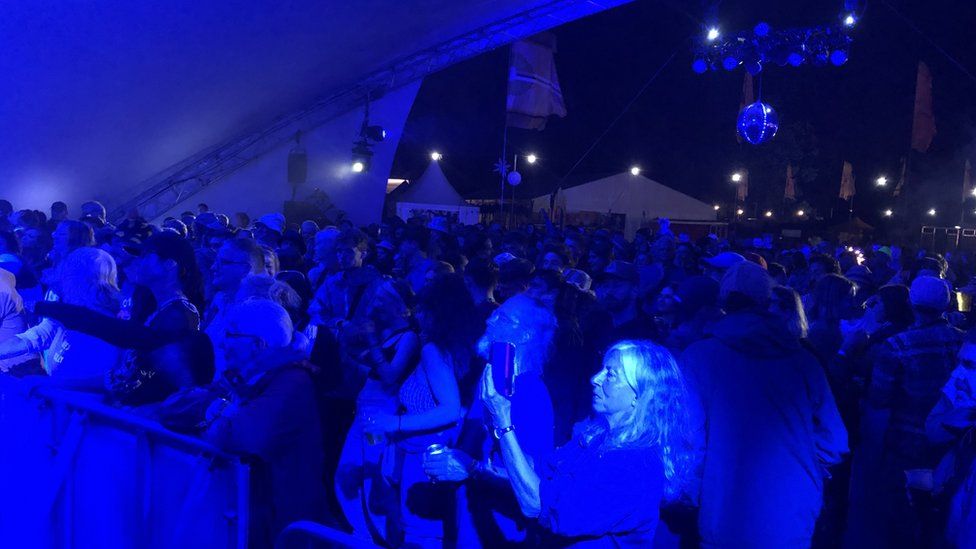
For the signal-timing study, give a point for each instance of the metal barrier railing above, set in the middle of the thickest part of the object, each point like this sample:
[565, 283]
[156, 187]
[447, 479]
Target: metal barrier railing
[321, 535]
[79, 473]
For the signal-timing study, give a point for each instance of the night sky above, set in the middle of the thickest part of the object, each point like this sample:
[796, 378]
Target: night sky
[681, 131]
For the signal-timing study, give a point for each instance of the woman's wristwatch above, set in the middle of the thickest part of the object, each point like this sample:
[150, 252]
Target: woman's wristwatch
[499, 433]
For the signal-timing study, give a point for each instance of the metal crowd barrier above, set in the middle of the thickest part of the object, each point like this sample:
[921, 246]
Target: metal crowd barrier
[75, 472]
[316, 535]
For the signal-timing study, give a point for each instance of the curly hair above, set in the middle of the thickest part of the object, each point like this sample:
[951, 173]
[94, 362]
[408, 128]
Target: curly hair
[661, 418]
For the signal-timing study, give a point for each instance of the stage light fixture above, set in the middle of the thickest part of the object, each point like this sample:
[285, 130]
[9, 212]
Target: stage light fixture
[769, 214]
[531, 159]
[881, 181]
[740, 211]
[800, 213]
[888, 213]
[736, 177]
[850, 20]
[716, 207]
[435, 156]
[362, 154]
[713, 34]
[932, 211]
[375, 133]
[358, 167]
[635, 171]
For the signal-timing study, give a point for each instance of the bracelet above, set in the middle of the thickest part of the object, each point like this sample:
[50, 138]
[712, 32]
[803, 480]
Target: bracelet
[499, 433]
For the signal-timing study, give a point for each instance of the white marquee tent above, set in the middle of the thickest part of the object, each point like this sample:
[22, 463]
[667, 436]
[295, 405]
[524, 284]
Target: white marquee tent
[639, 198]
[433, 194]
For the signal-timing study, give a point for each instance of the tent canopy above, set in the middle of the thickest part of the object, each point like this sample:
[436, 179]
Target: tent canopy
[639, 198]
[96, 98]
[432, 188]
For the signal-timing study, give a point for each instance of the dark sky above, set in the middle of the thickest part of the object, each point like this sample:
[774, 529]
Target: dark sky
[681, 130]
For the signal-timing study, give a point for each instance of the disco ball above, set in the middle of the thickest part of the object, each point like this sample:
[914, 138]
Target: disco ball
[758, 123]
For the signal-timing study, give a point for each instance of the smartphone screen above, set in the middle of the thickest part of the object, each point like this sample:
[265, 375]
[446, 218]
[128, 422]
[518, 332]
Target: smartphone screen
[503, 367]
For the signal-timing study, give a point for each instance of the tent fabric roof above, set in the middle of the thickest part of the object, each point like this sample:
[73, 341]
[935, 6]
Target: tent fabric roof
[640, 198]
[102, 97]
[432, 188]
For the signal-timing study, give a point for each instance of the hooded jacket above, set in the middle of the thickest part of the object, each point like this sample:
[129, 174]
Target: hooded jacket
[772, 429]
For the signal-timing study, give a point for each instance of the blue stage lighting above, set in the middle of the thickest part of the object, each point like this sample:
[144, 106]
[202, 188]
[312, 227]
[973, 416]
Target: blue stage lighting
[700, 66]
[730, 63]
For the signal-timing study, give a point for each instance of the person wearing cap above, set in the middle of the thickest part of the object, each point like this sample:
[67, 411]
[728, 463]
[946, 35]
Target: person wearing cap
[716, 266]
[94, 213]
[907, 379]
[616, 292]
[771, 426]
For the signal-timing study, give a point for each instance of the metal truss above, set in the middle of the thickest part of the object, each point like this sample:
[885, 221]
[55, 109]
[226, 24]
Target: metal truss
[167, 189]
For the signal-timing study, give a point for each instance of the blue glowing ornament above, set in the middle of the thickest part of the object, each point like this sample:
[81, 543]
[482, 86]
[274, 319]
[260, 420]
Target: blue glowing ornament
[730, 63]
[838, 57]
[758, 123]
[762, 29]
[700, 66]
[795, 59]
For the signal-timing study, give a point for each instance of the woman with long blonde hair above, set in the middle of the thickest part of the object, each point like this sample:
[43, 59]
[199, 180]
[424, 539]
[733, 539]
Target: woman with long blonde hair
[634, 453]
[87, 277]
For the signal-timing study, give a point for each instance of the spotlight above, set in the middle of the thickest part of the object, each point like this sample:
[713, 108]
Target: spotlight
[730, 63]
[838, 57]
[736, 177]
[888, 213]
[800, 213]
[375, 133]
[700, 66]
[762, 29]
[531, 158]
[635, 171]
[974, 192]
[850, 20]
[435, 156]
[794, 59]
[361, 156]
[716, 207]
[769, 214]
[712, 34]
[931, 212]
[881, 181]
[739, 212]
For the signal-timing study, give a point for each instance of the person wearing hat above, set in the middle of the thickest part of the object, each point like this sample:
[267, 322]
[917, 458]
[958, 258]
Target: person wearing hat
[771, 426]
[619, 315]
[269, 228]
[716, 266]
[907, 380]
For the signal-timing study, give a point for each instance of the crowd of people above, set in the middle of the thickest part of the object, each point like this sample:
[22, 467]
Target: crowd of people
[425, 384]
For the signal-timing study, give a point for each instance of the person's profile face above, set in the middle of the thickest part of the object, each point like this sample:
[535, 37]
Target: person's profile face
[239, 348]
[229, 268]
[611, 393]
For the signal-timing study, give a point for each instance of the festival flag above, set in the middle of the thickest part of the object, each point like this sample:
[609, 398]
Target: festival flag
[742, 191]
[967, 180]
[790, 193]
[747, 98]
[901, 179]
[923, 121]
[533, 87]
[847, 190]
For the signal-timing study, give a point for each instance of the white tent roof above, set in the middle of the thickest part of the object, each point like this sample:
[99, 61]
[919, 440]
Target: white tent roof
[638, 197]
[432, 188]
[96, 98]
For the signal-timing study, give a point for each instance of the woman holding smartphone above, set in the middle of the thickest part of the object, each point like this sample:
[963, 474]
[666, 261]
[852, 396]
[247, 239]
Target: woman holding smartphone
[602, 488]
